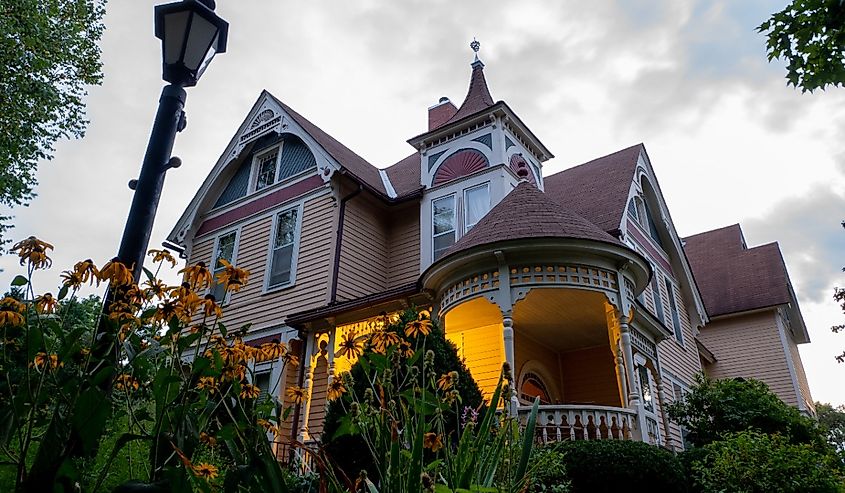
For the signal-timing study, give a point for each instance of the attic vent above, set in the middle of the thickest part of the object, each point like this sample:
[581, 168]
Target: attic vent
[264, 116]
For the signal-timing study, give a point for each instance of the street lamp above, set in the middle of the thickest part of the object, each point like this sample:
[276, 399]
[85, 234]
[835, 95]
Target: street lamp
[191, 34]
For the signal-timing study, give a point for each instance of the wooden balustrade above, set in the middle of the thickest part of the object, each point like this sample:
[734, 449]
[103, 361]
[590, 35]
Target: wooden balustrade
[562, 422]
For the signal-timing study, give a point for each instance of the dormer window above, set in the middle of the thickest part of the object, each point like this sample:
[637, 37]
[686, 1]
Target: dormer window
[266, 164]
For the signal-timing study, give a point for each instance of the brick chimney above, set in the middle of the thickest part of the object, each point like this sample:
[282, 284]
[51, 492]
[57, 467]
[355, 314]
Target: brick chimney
[440, 113]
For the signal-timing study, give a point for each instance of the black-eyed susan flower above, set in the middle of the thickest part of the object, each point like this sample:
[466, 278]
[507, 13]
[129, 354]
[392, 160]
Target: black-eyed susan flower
[87, 272]
[447, 380]
[208, 439]
[126, 382]
[155, 287]
[232, 277]
[204, 470]
[420, 326]
[296, 394]
[250, 391]
[33, 251]
[116, 273]
[197, 276]
[272, 350]
[382, 339]
[162, 256]
[46, 303]
[207, 383]
[351, 346]
[71, 279]
[336, 389]
[270, 427]
[11, 312]
[405, 349]
[432, 441]
[44, 360]
[210, 308]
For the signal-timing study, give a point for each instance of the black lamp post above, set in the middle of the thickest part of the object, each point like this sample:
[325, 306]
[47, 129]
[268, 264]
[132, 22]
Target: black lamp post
[191, 34]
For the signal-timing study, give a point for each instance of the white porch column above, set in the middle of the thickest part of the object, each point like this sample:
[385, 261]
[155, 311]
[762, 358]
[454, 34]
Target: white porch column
[634, 401]
[620, 370]
[308, 384]
[507, 333]
[661, 398]
[330, 352]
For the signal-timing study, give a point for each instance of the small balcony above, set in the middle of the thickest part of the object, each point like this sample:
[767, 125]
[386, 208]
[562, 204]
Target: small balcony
[562, 422]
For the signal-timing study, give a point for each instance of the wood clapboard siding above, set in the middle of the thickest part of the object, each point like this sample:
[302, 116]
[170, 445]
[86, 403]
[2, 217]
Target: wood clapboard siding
[403, 246]
[529, 350]
[363, 253]
[749, 346]
[482, 350]
[803, 384]
[589, 376]
[291, 380]
[251, 304]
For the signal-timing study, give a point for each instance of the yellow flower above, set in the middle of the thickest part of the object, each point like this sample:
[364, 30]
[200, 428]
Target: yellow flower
[126, 382]
[162, 256]
[117, 273]
[297, 394]
[44, 360]
[272, 351]
[210, 307]
[421, 325]
[405, 349]
[208, 439]
[86, 271]
[34, 251]
[336, 389]
[447, 380]
[270, 427]
[204, 470]
[11, 311]
[207, 383]
[432, 441]
[45, 303]
[250, 391]
[231, 276]
[155, 287]
[351, 346]
[197, 276]
[383, 339]
[72, 279]
[290, 359]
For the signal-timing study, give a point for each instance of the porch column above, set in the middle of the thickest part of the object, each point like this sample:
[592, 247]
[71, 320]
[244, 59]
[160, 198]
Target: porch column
[661, 398]
[507, 323]
[620, 371]
[330, 352]
[634, 401]
[308, 384]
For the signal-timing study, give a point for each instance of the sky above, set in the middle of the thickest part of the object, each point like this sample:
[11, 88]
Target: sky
[729, 141]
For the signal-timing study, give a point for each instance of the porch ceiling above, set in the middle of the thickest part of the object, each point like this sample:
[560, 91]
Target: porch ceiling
[477, 312]
[562, 319]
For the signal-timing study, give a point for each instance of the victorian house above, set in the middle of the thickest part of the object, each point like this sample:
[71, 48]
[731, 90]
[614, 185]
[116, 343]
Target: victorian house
[577, 279]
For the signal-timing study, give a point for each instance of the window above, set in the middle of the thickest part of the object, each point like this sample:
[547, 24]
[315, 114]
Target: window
[476, 205]
[632, 209]
[443, 224]
[533, 387]
[266, 165]
[673, 305]
[223, 250]
[645, 388]
[282, 249]
[655, 294]
[262, 381]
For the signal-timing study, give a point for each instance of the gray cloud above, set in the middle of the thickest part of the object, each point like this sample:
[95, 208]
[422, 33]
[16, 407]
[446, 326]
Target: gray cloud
[811, 239]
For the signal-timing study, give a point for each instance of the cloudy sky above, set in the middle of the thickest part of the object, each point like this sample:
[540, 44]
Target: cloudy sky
[729, 141]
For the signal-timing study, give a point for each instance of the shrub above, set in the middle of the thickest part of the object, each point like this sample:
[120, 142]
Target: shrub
[548, 472]
[715, 407]
[755, 462]
[621, 465]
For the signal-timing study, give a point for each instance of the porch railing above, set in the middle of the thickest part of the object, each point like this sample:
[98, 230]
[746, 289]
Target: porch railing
[561, 422]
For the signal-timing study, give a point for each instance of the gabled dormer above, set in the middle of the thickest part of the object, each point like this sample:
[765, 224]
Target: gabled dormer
[470, 158]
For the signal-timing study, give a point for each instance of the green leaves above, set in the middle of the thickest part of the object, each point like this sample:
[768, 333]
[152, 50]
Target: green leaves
[19, 281]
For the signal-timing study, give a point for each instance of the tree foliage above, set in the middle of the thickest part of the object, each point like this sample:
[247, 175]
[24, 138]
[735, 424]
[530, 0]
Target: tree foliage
[713, 408]
[832, 422]
[810, 36]
[48, 55]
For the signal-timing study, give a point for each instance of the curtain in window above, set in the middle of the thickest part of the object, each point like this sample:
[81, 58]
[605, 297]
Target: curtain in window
[477, 204]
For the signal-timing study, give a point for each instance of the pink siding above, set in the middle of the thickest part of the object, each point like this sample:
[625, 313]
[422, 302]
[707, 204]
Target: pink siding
[403, 246]
[749, 346]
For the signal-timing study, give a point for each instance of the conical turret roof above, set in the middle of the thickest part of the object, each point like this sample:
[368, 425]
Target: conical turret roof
[478, 96]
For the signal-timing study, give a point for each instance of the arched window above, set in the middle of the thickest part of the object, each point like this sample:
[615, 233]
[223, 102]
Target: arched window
[533, 387]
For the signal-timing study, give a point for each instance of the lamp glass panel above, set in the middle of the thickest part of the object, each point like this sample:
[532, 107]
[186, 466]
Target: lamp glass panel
[200, 39]
[174, 35]
[208, 56]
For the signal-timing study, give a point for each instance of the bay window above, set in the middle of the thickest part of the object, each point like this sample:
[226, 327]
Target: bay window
[443, 224]
[476, 205]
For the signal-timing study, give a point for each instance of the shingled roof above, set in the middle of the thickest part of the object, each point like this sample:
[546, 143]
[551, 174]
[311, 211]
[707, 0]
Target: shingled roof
[598, 189]
[525, 213]
[405, 175]
[733, 278]
[357, 166]
[478, 95]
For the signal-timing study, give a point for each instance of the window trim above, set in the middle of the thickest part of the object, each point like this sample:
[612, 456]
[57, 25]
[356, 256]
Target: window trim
[454, 231]
[466, 191]
[294, 258]
[256, 163]
[656, 298]
[676, 314]
[213, 264]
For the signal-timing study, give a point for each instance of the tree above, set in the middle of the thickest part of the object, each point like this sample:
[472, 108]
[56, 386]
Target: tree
[810, 36]
[48, 55]
[714, 408]
[832, 422]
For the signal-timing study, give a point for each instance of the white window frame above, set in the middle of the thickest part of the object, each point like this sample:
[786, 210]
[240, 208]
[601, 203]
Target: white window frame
[676, 313]
[256, 163]
[294, 254]
[213, 264]
[454, 231]
[466, 191]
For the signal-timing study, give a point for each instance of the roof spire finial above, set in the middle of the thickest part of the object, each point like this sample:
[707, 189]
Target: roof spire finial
[475, 45]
